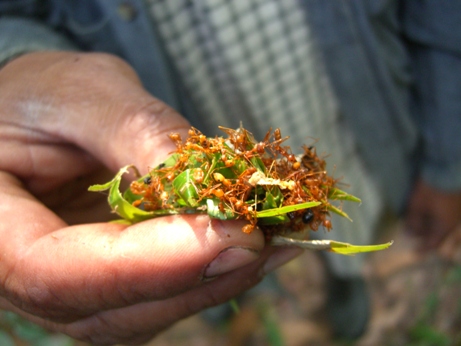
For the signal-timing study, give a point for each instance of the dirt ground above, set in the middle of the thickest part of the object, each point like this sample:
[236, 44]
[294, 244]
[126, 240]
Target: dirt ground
[416, 300]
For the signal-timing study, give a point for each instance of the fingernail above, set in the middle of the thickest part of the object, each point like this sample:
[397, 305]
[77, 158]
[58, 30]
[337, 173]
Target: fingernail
[280, 257]
[230, 259]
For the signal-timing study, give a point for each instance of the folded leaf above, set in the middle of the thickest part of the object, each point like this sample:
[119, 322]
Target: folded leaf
[330, 245]
[121, 206]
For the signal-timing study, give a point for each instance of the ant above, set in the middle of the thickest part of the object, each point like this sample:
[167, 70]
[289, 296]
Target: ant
[224, 170]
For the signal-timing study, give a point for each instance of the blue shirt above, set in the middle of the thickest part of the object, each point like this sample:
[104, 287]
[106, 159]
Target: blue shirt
[395, 67]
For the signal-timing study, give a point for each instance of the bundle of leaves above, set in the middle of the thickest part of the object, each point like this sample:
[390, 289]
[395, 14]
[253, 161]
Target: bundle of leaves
[238, 177]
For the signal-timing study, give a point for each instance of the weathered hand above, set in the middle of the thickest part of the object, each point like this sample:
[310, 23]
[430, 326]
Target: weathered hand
[65, 118]
[432, 214]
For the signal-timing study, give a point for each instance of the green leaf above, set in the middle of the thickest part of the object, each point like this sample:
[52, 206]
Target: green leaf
[234, 306]
[273, 220]
[331, 245]
[171, 160]
[272, 201]
[258, 164]
[121, 206]
[349, 249]
[214, 211]
[286, 209]
[239, 166]
[185, 188]
[337, 194]
[338, 211]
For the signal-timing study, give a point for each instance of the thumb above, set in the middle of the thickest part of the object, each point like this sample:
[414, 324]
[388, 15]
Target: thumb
[152, 260]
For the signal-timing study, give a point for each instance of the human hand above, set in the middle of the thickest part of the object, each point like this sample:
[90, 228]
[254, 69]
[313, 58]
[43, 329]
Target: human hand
[65, 118]
[432, 214]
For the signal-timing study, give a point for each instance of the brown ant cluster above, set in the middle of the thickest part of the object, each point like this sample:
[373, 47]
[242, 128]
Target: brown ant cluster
[240, 177]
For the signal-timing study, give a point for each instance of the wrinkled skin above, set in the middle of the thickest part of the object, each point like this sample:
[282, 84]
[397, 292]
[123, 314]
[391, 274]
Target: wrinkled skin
[69, 120]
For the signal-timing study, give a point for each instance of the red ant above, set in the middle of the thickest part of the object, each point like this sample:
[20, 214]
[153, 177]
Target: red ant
[214, 160]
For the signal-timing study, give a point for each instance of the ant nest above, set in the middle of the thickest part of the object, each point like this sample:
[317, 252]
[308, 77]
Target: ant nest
[238, 177]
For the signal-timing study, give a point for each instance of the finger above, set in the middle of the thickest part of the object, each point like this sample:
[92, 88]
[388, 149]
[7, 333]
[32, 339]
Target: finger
[111, 116]
[138, 323]
[42, 164]
[56, 271]
[141, 322]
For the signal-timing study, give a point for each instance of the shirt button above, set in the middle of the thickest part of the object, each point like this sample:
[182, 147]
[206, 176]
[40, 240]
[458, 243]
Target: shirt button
[127, 11]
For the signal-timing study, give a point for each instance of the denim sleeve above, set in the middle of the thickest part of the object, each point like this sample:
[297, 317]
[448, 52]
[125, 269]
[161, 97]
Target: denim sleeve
[20, 35]
[433, 30]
